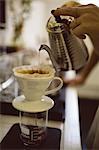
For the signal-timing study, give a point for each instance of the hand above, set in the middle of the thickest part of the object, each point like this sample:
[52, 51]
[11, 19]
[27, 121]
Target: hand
[86, 21]
[78, 80]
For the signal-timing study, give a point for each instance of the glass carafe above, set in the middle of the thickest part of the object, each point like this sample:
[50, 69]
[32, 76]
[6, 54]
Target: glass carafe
[33, 127]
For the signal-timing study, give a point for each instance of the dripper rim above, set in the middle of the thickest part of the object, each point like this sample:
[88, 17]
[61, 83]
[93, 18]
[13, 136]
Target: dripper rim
[30, 76]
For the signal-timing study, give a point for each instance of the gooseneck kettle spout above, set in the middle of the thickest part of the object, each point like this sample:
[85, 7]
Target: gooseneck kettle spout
[54, 63]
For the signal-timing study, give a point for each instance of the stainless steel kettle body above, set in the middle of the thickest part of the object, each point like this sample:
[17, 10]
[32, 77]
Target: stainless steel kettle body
[67, 52]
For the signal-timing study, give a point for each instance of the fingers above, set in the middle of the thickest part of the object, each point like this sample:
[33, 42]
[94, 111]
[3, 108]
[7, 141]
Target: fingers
[88, 5]
[79, 32]
[66, 11]
[75, 82]
[75, 23]
[72, 82]
[82, 36]
[73, 11]
[77, 28]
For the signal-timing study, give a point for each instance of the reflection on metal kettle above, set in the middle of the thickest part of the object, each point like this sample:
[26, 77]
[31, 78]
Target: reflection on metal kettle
[67, 52]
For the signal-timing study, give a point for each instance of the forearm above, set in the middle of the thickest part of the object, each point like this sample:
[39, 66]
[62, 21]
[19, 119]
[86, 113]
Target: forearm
[90, 65]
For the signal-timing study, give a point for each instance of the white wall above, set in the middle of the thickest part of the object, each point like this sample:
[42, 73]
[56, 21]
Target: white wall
[96, 2]
[34, 31]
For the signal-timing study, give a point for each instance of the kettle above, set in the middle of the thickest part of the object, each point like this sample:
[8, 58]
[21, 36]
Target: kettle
[66, 51]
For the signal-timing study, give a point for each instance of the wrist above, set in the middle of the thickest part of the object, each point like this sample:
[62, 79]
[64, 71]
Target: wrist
[84, 75]
[97, 53]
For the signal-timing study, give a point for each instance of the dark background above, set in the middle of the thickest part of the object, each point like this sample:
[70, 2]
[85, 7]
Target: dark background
[2, 13]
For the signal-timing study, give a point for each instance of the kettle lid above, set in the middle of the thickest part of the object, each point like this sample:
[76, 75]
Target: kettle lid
[54, 26]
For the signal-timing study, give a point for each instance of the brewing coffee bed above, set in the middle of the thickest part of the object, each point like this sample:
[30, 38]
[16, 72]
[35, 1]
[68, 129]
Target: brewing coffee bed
[12, 140]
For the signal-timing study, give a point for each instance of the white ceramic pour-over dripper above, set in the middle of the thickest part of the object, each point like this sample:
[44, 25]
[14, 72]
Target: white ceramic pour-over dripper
[33, 87]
